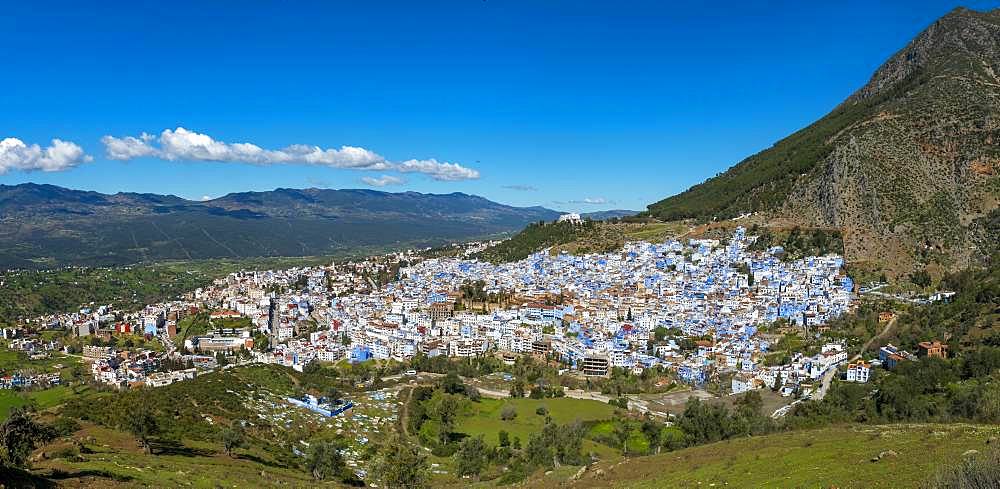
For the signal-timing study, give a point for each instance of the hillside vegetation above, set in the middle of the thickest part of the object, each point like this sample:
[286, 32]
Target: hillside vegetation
[587, 237]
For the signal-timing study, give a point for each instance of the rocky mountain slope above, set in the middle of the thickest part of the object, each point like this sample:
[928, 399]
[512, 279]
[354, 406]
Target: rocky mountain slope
[45, 225]
[907, 167]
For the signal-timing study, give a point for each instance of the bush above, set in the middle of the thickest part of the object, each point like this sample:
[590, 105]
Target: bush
[64, 426]
[542, 411]
[508, 413]
[976, 471]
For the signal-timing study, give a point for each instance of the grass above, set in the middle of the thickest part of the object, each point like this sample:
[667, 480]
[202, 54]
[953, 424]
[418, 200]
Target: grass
[10, 399]
[829, 457]
[485, 417]
[42, 399]
[10, 360]
[52, 397]
[654, 232]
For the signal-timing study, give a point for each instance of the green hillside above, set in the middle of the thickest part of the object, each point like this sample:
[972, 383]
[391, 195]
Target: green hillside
[838, 456]
[588, 237]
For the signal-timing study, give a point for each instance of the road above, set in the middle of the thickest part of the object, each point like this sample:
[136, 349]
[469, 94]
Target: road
[637, 404]
[828, 376]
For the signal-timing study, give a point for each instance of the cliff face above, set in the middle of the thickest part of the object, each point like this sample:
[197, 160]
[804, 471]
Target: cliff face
[913, 181]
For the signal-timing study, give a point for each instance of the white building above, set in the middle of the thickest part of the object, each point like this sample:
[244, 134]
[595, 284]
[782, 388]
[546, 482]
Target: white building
[858, 372]
[571, 217]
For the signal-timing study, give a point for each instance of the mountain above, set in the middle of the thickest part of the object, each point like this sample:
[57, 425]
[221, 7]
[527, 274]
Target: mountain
[608, 214]
[906, 167]
[45, 225]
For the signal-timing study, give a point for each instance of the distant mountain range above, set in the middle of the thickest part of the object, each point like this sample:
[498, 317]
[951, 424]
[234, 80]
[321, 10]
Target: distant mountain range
[609, 214]
[908, 167]
[46, 225]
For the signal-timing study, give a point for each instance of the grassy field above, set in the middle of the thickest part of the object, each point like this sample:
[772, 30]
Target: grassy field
[485, 417]
[10, 359]
[9, 400]
[829, 457]
[52, 397]
[42, 399]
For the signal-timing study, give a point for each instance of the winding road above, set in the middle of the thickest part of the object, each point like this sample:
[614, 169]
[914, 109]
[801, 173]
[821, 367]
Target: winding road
[828, 376]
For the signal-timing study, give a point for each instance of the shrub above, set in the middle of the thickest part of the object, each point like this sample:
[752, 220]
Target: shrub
[976, 471]
[508, 413]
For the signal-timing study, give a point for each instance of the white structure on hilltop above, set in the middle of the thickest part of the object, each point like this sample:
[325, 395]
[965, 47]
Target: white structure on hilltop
[571, 217]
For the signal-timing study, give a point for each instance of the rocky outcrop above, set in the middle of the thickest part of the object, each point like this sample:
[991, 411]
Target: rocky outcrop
[907, 182]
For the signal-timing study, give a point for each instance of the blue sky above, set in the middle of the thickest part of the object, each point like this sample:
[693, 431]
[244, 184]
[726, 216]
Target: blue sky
[572, 105]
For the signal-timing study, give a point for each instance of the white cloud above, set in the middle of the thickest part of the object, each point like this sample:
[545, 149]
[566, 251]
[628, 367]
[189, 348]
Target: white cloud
[182, 144]
[445, 172]
[128, 147]
[206, 198]
[60, 155]
[383, 181]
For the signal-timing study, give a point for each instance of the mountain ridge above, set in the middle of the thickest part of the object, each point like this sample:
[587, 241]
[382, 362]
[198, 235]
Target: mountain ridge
[907, 165]
[45, 225]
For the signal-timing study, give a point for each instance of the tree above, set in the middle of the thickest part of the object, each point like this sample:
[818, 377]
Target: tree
[517, 388]
[921, 277]
[622, 432]
[333, 394]
[325, 461]
[233, 437]
[472, 457]
[400, 465]
[652, 430]
[444, 408]
[538, 452]
[503, 438]
[660, 333]
[452, 383]
[143, 426]
[508, 412]
[18, 436]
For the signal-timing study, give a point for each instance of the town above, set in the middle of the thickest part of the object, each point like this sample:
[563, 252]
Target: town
[592, 314]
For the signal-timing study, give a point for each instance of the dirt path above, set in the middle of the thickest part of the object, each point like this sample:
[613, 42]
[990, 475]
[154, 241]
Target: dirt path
[885, 331]
[404, 416]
